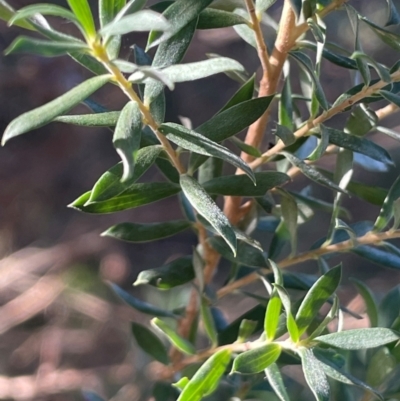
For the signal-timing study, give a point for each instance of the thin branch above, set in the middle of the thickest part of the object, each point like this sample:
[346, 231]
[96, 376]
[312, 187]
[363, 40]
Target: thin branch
[386, 111]
[261, 47]
[126, 87]
[367, 239]
[368, 91]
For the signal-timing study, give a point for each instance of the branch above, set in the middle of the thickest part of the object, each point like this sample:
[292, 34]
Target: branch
[368, 91]
[126, 86]
[368, 239]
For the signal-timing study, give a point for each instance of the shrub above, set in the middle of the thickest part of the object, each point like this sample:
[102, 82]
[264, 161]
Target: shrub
[291, 323]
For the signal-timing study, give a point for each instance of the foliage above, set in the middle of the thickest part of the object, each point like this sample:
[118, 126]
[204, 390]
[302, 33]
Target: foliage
[287, 326]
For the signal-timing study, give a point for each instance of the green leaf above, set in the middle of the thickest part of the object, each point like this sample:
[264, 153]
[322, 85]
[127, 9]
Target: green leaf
[245, 31]
[178, 272]
[391, 97]
[275, 380]
[46, 48]
[107, 119]
[314, 374]
[372, 194]
[179, 14]
[140, 21]
[7, 12]
[241, 185]
[139, 305]
[230, 122]
[181, 383]
[137, 195]
[43, 115]
[289, 212]
[150, 343]
[332, 314]
[246, 254]
[388, 37]
[285, 135]
[386, 212]
[132, 232]
[257, 359]
[108, 9]
[318, 294]
[389, 308]
[44, 9]
[207, 208]
[393, 17]
[213, 19]
[323, 143]
[208, 322]
[305, 62]
[246, 329]
[361, 121]
[369, 300]
[205, 380]
[286, 106]
[360, 338]
[201, 69]
[290, 322]
[244, 147]
[381, 70]
[181, 343]
[263, 5]
[311, 172]
[126, 139]
[244, 93]
[83, 13]
[335, 373]
[109, 184]
[272, 315]
[198, 143]
[168, 53]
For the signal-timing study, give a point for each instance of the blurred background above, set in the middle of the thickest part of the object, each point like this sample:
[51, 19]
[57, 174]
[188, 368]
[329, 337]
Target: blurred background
[61, 328]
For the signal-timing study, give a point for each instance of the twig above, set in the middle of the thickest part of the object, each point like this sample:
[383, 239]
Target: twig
[368, 91]
[386, 111]
[367, 239]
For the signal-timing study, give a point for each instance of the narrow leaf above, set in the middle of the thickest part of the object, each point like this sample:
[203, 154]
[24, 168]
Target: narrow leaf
[43, 115]
[360, 338]
[198, 143]
[393, 17]
[46, 48]
[178, 272]
[150, 343]
[201, 69]
[290, 321]
[244, 93]
[276, 382]
[264, 5]
[137, 195]
[206, 207]
[126, 139]
[179, 14]
[107, 119]
[386, 212]
[257, 359]
[213, 19]
[140, 21]
[132, 232]
[246, 329]
[43, 9]
[241, 185]
[208, 322]
[318, 294]
[139, 305]
[246, 254]
[314, 375]
[109, 184]
[181, 343]
[272, 315]
[206, 379]
[369, 300]
[311, 172]
[82, 11]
